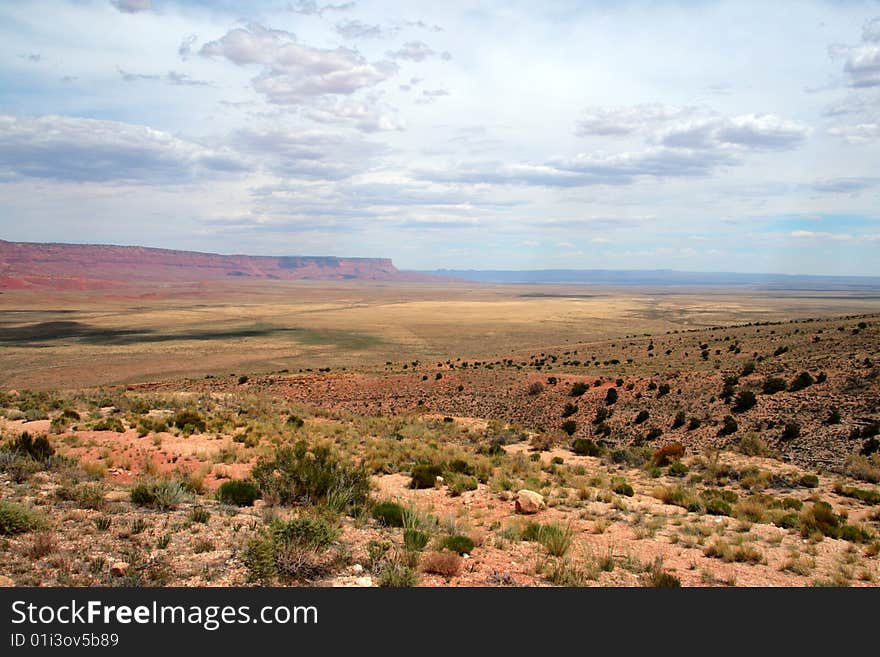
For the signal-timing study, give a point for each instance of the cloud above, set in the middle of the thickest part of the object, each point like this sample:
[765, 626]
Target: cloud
[312, 8]
[430, 95]
[844, 185]
[132, 6]
[366, 116]
[417, 51]
[749, 132]
[89, 150]
[822, 236]
[171, 77]
[313, 155]
[355, 29]
[622, 121]
[185, 47]
[861, 62]
[858, 133]
[294, 73]
[33, 57]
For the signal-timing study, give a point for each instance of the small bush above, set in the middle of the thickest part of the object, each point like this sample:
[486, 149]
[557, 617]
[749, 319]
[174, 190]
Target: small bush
[772, 385]
[623, 488]
[611, 396]
[459, 484]
[189, 420]
[535, 388]
[679, 420]
[678, 469]
[161, 494]
[569, 410]
[752, 444]
[458, 544]
[445, 563]
[390, 514]
[745, 400]
[396, 575]
[801, 381]
[694, 424]
[569, 427]
[424, 475]
[415, 540]
[556, 539]
[39, 448]
[238, 492]
[728, 426]
[19, 519]
[199, 514]
[809, 481]
[641, 417]
[792, 430]
[578, 389]
[585, 447]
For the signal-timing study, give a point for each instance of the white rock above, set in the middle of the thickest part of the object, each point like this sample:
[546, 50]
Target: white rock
[528, 501]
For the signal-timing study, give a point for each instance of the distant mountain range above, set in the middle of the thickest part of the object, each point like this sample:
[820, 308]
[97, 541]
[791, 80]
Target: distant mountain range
[90, 266]
[662, 277]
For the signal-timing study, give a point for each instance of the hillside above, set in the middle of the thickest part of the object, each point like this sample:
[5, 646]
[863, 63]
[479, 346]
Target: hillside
[25, 265]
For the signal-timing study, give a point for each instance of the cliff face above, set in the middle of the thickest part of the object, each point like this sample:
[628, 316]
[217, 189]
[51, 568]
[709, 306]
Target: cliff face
[93, 266]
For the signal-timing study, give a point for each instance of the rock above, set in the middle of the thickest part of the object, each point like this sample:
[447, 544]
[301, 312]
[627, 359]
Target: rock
[117, 496]
[439, 481]
[528, 501]
[364, 581]
[6, 582]
[356, 569]
[119, 568]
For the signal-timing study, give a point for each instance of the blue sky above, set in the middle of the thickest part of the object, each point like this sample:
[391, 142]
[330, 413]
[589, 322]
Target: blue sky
[716, 136]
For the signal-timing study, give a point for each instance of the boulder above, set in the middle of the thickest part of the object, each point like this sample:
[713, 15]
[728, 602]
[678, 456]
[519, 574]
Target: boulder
[119, 568]
[528, 501]
[6, 581]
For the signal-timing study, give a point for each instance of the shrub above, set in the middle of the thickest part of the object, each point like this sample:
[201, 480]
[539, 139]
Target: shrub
[578, 389]
[809, 481]
[748, 368]
[238, 492]
[678, 469]
[556, 539]
[110, 424]
[306, 531]
[458, 544]
[728, 426]
[864, 467]
[85, 496]
[39, 448]
[641, 417]
[199, 514]
[445, 563]
[871, 497]
[679, 420]
[833, 417]
[294, 421]
[189, 420]
[622, 488]
[569, 410]
[653, 434]
[160, 494]
[390, 514]
[585, 447]
[295, 475]
[535, 388]
[424, 475]
[787, 521]
[18, 518]
[460, 466]
[792, 430]
[752, 444]
[242, 380]
[716, 506]
[611, 396]
[801, 381]
[820, 517]
[772, 385]
[663, 390]
[745, 400]
[459, 484]
[395, 575]
[694, 424]
[569, 427]
[415, 540]
[667, 453]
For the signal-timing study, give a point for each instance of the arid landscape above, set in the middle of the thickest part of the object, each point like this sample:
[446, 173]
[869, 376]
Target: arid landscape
[430, 432]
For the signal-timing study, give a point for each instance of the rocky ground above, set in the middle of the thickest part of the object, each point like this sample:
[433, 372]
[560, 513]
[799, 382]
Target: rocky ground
[510, 495]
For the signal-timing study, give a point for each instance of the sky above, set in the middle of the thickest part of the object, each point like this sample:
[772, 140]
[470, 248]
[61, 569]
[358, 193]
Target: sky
[703, 136]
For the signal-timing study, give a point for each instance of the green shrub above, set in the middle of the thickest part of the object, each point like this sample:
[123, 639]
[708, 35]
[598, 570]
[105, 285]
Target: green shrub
[871, 497]
[424, 475]
[585, 447]
[298, 476]
[18, 518]
[678, 469]
[578, 389]
[295, 421]
[396, 575]
[460, 466]
[390, 514]
[458, 543]
[788, 521]
[715, 506]
[694, 424]
[110, 424]
[306, 531]
[569, 427]
[569, 410]
[459, 484]
[772, 385]
[820, 517]
[160, 494]
[415, 540]
[622, 488]
[556, 539]
[531, 532]
[611, 396]
[792, 430]
[238, 492]
[188, 420]
[809, 481]
[745, 400]
[728, 426]
[85, 496]
[199, 514]
[641, 417]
